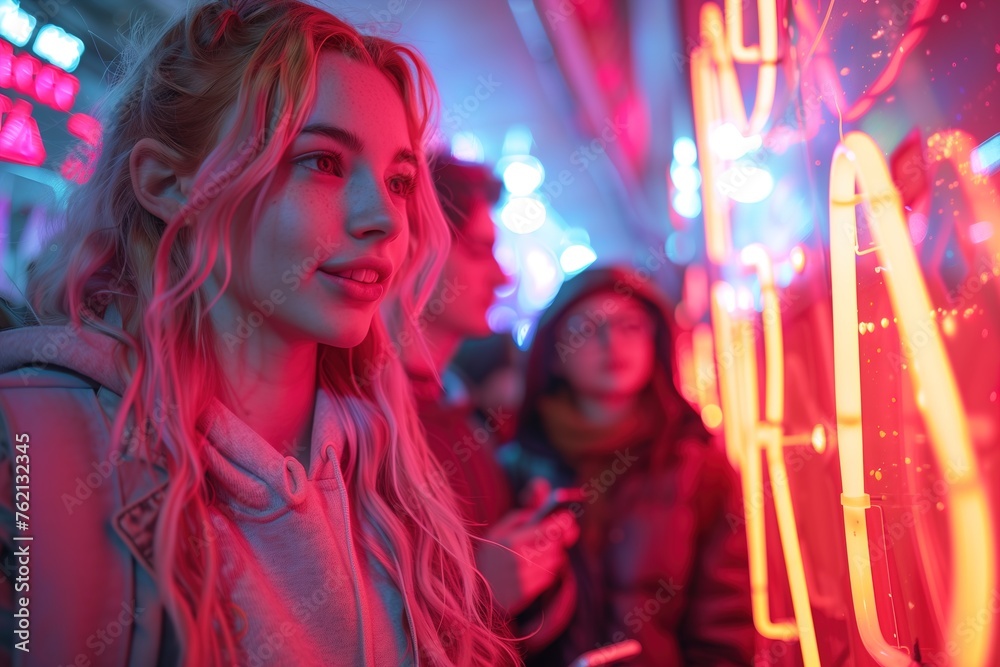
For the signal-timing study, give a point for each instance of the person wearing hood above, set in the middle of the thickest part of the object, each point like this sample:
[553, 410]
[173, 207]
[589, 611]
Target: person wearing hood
[194, 468]
[662, 556]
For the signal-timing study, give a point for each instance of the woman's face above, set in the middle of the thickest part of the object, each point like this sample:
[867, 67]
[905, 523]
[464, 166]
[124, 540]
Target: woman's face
[605, 346]
[465, 290]
[333, 230]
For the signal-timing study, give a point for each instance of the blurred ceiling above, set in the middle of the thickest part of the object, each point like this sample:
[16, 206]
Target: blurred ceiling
[498, 64]
[490, 79]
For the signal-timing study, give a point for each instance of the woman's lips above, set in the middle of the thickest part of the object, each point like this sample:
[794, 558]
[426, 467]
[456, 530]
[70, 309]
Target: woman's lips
[365, 287]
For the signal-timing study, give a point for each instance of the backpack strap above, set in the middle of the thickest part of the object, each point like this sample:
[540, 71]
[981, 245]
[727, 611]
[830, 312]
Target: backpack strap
[82, 594]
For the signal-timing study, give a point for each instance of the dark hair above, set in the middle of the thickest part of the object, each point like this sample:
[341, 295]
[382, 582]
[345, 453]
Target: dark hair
[460, 185]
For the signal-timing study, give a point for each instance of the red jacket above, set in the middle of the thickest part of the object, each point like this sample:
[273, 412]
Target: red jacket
[662, 556]
[669, 540]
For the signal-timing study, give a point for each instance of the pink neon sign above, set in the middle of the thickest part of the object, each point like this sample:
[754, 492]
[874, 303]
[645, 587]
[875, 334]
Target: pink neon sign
[29, 76]
[20, 140]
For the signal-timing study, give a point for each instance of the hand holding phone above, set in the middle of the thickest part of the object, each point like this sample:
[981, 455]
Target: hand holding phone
[557, 499]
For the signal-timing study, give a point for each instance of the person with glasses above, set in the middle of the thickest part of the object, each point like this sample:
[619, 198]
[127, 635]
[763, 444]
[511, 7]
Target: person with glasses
[662, 555]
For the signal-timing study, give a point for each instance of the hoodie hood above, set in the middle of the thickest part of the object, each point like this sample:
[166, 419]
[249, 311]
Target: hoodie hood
[683, 421]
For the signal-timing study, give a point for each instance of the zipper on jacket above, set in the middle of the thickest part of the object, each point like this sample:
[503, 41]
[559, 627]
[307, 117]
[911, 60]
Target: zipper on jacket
[367, 644]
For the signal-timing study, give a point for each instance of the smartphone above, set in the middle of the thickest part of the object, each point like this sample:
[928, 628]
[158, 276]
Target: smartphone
[609, 655]
[557, 499]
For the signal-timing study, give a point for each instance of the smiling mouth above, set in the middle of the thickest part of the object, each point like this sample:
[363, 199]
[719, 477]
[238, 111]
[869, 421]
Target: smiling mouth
[364, 276]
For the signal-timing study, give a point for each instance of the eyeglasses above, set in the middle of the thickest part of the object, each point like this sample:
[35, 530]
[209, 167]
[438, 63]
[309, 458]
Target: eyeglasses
[630, 326]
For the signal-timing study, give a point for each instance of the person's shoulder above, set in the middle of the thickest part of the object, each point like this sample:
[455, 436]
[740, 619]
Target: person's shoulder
[41, 376]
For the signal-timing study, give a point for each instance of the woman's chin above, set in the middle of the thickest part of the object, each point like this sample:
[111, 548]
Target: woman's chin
[345, 337]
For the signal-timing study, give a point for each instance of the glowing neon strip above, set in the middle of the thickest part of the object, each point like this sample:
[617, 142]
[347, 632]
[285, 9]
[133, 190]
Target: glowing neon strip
[765, 55]
[770, 434]
[859, 164]
[738, 383]
[29, 76]
[718, 235]
[704, 360]
[722, 325]
[717, 97]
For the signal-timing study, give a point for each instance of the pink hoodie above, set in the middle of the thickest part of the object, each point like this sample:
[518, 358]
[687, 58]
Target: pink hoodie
[293, 565]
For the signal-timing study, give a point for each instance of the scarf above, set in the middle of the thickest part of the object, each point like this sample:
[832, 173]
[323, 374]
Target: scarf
[580, 442]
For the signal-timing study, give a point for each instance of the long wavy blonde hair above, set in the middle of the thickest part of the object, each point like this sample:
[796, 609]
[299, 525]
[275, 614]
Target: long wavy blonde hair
[258, 57]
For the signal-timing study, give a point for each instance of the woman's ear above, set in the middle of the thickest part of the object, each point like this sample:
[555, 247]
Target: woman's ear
[158, 184]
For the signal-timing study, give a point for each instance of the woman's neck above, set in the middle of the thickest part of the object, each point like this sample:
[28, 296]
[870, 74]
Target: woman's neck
[273, 389]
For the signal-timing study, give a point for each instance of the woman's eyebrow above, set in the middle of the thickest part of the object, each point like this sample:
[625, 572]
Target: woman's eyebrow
[353, 142]
[345, 137]
[405, 155]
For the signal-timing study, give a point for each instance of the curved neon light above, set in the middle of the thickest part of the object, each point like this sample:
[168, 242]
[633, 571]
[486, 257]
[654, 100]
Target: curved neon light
[858, 163]
[705, 98]
[722, 324]
[764, 54]
[826, 72]
[770, 435]
[738, 385]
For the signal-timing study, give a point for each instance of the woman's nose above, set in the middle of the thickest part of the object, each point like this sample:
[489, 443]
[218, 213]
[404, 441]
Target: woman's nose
[371, 209]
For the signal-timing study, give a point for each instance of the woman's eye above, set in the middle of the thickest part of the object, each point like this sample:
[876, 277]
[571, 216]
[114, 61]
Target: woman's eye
[402, 185]
[325, 163]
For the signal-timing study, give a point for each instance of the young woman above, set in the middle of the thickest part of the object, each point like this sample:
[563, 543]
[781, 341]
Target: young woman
[220, 486]
[661, 557]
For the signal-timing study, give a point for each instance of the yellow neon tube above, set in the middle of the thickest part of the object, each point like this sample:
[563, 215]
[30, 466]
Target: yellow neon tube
[704, 363]
[733, 424]
[770, 435]
[718, 236]
[765, 55]
[738, 382]
[859, 164]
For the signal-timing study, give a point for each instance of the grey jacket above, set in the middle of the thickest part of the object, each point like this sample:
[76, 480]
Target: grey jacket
[87, 521]
[99, 593]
